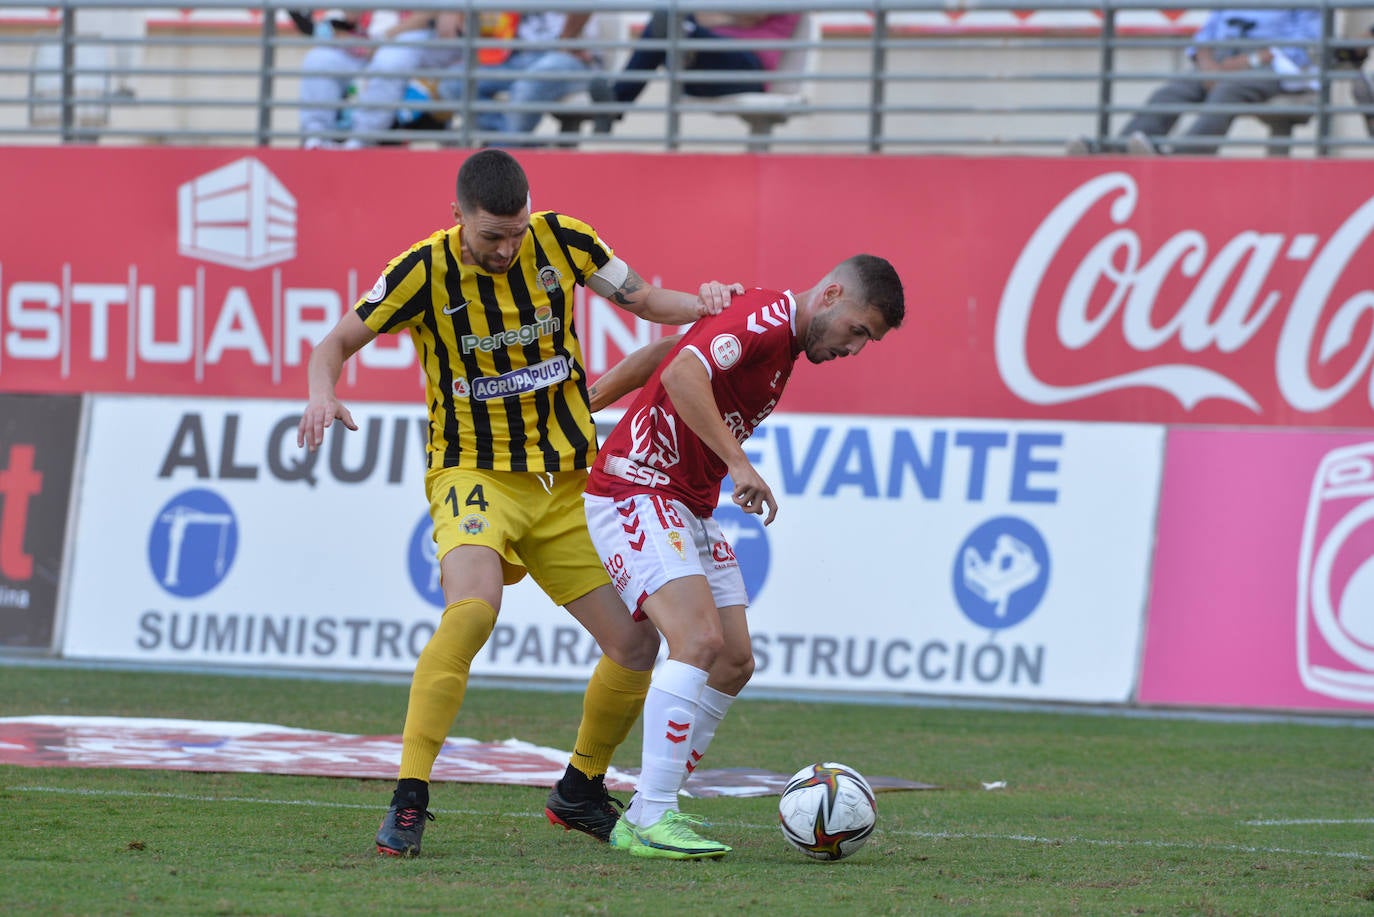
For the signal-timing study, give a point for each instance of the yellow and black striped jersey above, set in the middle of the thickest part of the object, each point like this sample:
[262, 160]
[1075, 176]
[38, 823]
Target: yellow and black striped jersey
[505, 383]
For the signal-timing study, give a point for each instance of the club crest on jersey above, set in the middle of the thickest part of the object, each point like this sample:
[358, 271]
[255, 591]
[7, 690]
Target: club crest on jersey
[474, 524]
[725, 350]
[549, 278]
[461, 389]
[378, 291]
[675, 540]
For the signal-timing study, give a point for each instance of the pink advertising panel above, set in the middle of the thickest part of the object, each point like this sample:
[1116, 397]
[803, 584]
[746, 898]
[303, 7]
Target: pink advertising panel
[1263, 591]
[1131, 291]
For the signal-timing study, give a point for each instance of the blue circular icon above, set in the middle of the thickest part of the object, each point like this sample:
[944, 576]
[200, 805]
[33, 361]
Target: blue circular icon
[1001, 572]
[193, 542]
[746, 535]
[423, 562]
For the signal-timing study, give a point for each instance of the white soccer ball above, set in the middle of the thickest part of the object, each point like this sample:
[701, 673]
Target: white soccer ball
[827, 811]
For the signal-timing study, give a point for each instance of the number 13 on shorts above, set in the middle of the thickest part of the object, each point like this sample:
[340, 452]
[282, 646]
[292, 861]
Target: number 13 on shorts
[647, 540]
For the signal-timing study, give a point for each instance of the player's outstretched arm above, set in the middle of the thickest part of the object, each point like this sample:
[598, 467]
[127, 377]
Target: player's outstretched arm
[630, 373]
[326, 364]
[619, 283]
[686, 382]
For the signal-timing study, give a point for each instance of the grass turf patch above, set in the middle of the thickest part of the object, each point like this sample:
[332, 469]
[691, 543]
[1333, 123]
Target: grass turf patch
[1101, 814]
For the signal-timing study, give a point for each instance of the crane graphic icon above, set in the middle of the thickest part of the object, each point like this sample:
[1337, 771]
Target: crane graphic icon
[193, 543]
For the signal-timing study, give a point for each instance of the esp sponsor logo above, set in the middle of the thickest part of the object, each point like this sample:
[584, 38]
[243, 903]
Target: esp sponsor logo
[634, 472]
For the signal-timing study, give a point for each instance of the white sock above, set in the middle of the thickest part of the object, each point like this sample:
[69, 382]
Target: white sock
[711, 709]
[669, 712]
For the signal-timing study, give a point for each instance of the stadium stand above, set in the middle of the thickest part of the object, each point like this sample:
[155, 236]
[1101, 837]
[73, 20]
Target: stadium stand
[785, 97]
[1354, 30]
[908, 77]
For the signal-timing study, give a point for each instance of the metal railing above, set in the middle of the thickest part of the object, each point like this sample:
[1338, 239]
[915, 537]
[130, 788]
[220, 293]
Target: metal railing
[876, 77]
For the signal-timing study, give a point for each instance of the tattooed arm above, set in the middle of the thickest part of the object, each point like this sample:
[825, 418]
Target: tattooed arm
[619, 283]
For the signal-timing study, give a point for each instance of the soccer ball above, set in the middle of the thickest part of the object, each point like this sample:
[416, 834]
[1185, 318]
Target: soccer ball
[827, 811]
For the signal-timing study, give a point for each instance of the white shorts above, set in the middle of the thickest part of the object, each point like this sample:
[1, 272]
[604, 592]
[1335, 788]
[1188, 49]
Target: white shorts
[646, 540]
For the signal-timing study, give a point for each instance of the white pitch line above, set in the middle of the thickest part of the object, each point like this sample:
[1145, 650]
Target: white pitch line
[931, 835]
[1175, 845]
[1279, 822]
[185, 797]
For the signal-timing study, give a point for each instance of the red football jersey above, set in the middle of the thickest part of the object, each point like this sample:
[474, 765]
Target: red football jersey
[749, 351]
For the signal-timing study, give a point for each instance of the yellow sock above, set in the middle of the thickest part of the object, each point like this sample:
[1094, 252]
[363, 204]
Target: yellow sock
[440, 681]
[614, 699]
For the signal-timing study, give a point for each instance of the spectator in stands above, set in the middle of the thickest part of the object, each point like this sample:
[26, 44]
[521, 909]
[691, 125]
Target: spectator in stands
[1357, 26]
[1284, 65]
[1362, 90]
[738, 26]
[418, 41]
[329, 69]
[522, 76]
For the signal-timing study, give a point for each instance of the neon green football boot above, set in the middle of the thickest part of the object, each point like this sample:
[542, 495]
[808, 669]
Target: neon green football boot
[622, 835]
[672, 837]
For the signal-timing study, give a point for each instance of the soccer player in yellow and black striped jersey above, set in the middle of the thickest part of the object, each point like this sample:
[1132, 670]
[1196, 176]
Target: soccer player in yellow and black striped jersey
[489, 306]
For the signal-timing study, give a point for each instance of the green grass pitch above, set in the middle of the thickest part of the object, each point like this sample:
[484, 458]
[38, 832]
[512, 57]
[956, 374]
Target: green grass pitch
[1101, 814]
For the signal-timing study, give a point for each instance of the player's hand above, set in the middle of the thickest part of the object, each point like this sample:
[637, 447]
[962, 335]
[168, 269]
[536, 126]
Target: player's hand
[752, 493]
[318, 415]
[714, 296]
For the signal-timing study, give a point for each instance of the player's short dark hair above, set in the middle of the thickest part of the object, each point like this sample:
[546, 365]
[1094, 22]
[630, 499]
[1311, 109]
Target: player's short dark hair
[492, 180]
[879, 286]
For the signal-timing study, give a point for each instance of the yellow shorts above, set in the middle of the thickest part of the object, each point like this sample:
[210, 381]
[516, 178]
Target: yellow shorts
[534, 520]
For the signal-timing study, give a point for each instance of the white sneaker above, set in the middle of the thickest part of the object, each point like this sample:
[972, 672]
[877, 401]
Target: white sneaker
[1137, 144]
[1081, 146]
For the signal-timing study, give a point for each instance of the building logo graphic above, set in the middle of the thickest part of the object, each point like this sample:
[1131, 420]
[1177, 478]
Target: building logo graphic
[192, 543]
[1001, 572]
[1336, 577]
[239, 215]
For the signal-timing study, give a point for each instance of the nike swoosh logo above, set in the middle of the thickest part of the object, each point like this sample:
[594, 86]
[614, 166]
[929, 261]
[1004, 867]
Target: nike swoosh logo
[449, 310]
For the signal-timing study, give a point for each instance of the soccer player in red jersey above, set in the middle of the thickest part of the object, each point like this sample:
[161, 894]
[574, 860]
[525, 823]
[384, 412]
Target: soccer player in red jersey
[655, 485]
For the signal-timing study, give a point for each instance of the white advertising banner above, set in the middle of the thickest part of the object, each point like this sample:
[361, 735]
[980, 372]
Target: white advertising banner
[204, 535]
[952, 557]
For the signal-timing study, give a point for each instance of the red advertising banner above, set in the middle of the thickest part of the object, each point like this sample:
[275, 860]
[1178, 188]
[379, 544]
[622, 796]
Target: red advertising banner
[1164, 291]
[1263, 591]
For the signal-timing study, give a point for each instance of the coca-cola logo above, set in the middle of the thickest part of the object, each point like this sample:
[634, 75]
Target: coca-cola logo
[1229, 299]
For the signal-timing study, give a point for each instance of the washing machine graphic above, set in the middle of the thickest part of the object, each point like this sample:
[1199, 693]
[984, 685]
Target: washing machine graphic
[1336, 578]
